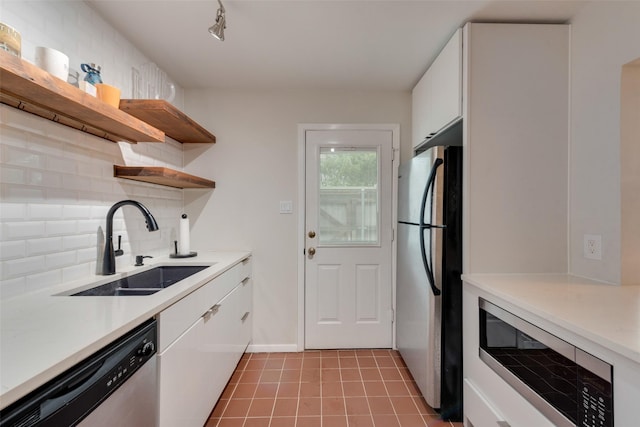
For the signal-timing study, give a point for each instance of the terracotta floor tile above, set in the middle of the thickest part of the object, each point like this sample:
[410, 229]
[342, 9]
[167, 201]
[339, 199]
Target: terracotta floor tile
[332, 389]
[350, 374]
[375, 388]
[310, 389]
[423, 407]
[285, 408]
[257, 422]
[380, 405]
[404, 405]
[367, 362]
[310, 375]
[293, 364]
[360, 420]
[252, 376]
[396, 388]
[274, 363]
[231, 422]
[309, 422]
[330, 375]
[219, 408]
[261, 408]
[357, 406]
[326, 388]
[334, 420]
[407, 420]
[333, 406]
[290, 376]
[385, 362]
[390, 374]
[288, 390]
[265, 390]
[270, 376]
[309, 406]
[255, 364]
[283, 422]
[385, 421]
[370, 374]
[353, 388]
[245, 390]
[348, 362]
[329, 363]
[236, 408]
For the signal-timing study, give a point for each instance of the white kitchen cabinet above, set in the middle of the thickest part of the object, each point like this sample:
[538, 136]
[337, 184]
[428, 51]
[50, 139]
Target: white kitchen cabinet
[515, 136]
[437, 98]
[195, 366]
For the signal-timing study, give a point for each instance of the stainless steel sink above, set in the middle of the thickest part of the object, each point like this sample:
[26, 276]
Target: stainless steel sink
[145, 283]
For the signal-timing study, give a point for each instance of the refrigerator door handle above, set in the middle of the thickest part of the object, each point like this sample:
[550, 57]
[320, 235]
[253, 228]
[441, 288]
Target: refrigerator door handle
[430, 182]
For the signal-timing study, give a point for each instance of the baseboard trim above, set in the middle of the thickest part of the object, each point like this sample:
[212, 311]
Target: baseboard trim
[272, 348]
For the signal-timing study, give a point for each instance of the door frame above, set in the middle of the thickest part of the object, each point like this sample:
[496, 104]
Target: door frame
[395, 147]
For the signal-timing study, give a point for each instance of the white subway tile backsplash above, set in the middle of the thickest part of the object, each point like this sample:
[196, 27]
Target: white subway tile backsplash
[43, 280]
[76, 212]
[77, 272]
[44, 245]
[13, 175]
[23, 230]
[76, 242]
[12, 249]
[61, 227]
[60, 259]
[57, 183]
[11, 211]
[22, 267]
[44, 211]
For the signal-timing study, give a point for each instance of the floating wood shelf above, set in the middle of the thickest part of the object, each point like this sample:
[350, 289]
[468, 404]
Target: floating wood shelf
[162, 176]
[164, 116]
[27, 87]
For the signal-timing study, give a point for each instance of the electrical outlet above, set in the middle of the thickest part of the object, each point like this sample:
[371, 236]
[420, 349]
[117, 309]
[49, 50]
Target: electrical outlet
[592, 247]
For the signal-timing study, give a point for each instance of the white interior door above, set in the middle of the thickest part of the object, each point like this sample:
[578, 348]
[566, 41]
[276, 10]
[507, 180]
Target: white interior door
[348, 234]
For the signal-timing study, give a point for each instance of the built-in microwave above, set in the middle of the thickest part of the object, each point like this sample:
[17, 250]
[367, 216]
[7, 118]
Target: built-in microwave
[568, 385]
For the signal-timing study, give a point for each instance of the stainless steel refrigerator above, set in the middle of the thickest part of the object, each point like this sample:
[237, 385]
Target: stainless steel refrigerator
[429, 286]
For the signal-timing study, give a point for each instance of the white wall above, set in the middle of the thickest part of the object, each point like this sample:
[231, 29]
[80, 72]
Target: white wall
[605, 36]
[254, 164]
[57, 183]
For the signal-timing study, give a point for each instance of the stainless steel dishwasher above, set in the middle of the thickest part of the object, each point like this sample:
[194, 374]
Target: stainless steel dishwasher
[114, 386]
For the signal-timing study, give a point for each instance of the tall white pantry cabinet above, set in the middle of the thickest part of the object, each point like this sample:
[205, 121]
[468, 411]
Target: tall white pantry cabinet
[513, 95]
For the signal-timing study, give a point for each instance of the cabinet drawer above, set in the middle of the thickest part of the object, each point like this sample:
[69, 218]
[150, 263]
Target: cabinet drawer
[478, 412]
[176, 319]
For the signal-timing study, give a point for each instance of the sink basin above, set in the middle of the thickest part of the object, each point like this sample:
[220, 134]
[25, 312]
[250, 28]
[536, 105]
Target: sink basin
[145, 283]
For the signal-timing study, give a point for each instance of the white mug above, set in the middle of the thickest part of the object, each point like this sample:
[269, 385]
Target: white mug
[53, 61]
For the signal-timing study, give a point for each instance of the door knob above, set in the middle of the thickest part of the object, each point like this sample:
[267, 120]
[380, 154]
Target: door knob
[311, 251]
[312, 234]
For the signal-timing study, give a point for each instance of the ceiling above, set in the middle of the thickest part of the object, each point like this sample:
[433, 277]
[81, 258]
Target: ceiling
[308, 44]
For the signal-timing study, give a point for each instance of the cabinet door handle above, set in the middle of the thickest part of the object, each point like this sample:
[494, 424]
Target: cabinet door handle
[245, 280]
[246, 260]
[503, 424]
[213, 310]
[245, 316]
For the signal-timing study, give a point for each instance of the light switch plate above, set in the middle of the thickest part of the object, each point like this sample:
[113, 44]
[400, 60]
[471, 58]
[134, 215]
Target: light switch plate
[286, 206]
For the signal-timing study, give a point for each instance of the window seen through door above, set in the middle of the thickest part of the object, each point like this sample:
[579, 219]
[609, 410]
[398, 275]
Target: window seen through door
[348, 206]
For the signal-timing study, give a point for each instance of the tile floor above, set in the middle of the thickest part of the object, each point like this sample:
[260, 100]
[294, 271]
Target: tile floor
[324, 388]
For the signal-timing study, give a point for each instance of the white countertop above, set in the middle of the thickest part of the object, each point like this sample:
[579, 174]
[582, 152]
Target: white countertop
[608, 315]
[44, 334]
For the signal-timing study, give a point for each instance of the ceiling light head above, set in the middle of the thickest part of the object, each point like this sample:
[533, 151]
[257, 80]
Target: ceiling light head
[217, 29]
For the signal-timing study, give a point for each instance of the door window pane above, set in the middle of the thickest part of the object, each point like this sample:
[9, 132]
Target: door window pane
[349, 199]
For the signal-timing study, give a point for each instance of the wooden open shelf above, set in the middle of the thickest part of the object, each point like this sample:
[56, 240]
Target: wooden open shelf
[162, 176]
[164, 116]
[27, 87]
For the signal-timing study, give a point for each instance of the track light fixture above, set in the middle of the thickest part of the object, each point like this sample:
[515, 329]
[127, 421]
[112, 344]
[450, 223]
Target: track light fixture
[217, 29]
